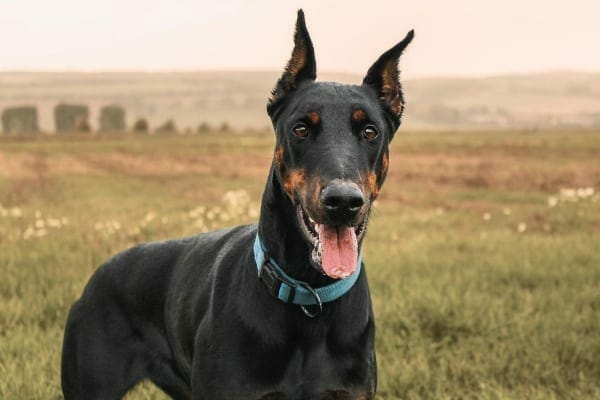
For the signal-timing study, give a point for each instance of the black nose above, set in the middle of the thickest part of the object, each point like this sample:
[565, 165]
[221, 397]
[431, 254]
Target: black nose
[342, 200]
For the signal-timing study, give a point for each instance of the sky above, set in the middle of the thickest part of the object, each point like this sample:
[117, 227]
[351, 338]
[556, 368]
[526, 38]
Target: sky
[452, 38]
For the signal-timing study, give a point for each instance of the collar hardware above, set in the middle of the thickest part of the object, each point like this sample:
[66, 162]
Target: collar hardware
[319, 305]
[273, 281]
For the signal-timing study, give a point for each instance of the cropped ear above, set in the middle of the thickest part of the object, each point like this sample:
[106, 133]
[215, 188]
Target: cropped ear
[383, 76]
[301, 66]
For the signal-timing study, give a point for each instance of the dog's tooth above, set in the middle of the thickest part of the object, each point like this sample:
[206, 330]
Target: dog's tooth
[316, 254]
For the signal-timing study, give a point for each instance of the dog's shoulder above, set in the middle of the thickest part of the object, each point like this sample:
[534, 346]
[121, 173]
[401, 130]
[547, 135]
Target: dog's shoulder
[171, 251]
[152, 267]
[211, 250]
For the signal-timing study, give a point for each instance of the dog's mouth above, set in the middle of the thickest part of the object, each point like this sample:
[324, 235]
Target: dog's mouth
[334, 248]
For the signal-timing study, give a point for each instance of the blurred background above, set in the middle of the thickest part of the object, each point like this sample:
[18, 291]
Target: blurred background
[133, 121]
[472, 65]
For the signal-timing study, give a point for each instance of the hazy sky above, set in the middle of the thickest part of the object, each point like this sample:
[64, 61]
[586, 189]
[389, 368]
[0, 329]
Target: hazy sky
[461, 37]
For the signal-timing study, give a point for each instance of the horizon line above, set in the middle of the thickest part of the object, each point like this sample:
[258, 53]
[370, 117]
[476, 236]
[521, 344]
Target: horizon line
[277, 71]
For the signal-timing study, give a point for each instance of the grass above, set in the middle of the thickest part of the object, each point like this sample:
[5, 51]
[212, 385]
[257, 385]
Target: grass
[485, 278]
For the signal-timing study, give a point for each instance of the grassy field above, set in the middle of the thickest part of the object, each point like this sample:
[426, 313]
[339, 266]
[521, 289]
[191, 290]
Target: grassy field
[483, 252]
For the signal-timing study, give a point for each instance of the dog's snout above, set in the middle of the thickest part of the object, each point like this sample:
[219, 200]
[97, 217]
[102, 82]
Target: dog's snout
[342, 200]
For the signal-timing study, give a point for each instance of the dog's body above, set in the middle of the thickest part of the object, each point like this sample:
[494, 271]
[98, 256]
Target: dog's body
[192, 316]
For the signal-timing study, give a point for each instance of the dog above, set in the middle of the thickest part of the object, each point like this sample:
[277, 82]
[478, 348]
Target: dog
[276, 310]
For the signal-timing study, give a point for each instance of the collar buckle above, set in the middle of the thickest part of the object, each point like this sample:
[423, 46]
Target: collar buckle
[273, 282]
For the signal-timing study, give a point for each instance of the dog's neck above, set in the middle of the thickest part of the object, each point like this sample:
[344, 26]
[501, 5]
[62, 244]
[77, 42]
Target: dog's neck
[278, 229]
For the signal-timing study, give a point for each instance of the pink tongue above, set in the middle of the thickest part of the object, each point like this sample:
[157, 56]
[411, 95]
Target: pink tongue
[340, 250]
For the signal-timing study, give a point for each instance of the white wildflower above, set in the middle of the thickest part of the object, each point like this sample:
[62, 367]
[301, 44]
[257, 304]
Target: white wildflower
[568, 194]
[253, 212]
[53, 222]
[149, 216]
[584, 193]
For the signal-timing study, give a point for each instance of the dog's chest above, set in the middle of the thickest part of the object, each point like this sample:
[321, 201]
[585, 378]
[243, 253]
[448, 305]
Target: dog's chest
[317, 366]
[324, 373]
[308, 370]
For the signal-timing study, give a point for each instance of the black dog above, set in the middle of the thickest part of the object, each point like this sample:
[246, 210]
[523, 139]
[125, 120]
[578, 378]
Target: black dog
[278, 310]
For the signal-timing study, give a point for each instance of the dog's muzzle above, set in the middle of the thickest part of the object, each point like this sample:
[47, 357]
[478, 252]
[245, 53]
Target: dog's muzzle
[336, 238]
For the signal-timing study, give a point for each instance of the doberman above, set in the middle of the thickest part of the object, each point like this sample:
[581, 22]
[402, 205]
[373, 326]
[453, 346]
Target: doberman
[276, 310]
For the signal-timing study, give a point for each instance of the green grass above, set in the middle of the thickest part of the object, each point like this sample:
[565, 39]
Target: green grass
[481, 289]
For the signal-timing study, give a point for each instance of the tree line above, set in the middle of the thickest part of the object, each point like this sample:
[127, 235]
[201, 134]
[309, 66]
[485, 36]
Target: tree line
[75, 118]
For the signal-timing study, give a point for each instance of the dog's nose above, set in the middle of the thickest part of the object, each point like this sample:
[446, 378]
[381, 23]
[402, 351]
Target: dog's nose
[342, 200]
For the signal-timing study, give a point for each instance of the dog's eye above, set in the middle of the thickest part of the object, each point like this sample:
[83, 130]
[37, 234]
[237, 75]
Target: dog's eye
[369, 132]
[300, 130]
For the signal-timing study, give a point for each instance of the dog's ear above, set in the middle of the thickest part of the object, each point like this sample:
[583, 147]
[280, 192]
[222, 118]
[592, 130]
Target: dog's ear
[383, 76]
[301, 66]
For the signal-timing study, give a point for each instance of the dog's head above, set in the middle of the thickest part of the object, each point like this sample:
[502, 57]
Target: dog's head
[331, 154]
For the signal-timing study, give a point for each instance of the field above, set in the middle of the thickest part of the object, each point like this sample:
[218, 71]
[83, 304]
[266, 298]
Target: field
[483, 252]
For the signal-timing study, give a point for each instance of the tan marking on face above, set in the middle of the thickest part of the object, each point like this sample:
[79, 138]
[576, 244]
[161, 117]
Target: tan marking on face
[371, 185]
[385, 164]
[279, 155]
[359, 115]
[314, 117]
[314, 193]
[295, 181]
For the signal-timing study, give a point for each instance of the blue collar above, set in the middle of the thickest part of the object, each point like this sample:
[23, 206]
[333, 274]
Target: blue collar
[290, 290]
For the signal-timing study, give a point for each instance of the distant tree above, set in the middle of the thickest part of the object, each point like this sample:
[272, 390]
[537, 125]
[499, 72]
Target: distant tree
[225, 127]
[82, 125]
[112, 119]
[167, 127]
[204, 127]
[20, 120]
[444, 114]
[71, 118]
[141, 125]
